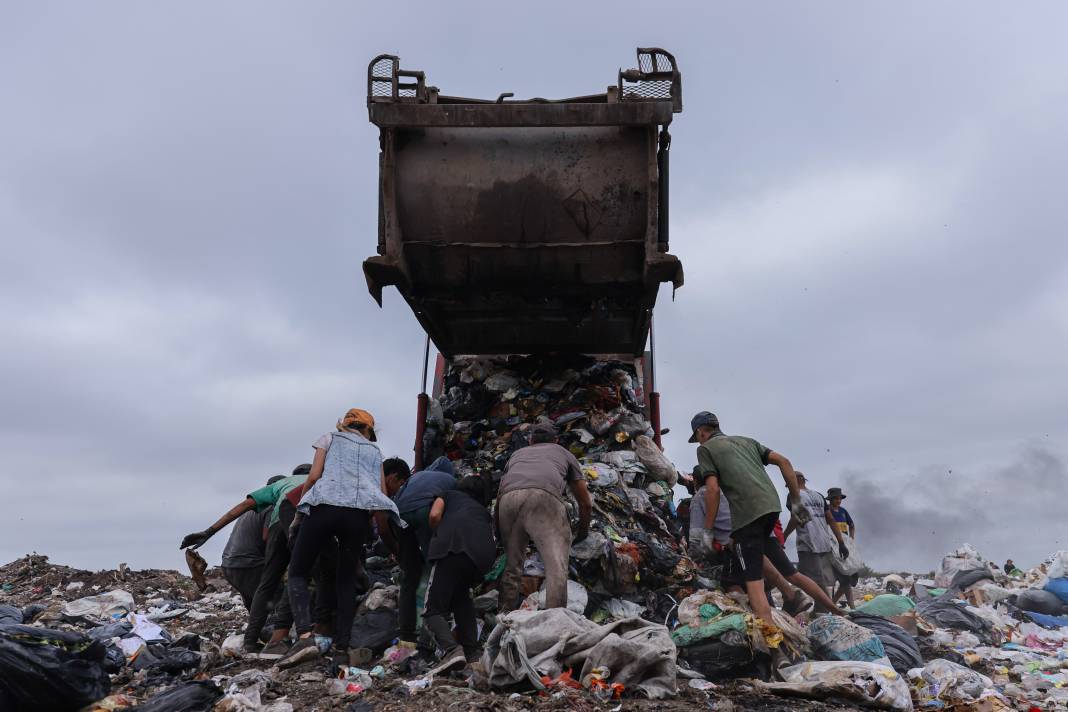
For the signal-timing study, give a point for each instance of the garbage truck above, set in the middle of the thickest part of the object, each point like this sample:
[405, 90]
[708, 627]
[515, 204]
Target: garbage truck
[526, 226]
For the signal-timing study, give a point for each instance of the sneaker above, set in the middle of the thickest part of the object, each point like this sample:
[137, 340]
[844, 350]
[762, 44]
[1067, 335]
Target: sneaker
[798, 604]
[251, 647]
[451, 660]
[274, 651]
[304, 649]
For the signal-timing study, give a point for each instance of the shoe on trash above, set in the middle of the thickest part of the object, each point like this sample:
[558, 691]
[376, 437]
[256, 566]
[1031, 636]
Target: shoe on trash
[251, 647]
[304, 649]
[798, 604]
[451, 660]
[274, 651]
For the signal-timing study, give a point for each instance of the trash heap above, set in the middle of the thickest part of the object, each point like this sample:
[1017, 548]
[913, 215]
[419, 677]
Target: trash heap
[632, 563]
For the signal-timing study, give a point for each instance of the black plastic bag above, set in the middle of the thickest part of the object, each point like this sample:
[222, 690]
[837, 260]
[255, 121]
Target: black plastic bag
[946, 614]
[1038, 601]
[964, 579]
[900, 647]
[110, 630]
[726, 658]
[43, 669]
[375, 630]
[194, 696]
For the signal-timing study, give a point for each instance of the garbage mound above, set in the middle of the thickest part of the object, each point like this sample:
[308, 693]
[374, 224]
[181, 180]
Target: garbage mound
[153, 640]
[632, 562]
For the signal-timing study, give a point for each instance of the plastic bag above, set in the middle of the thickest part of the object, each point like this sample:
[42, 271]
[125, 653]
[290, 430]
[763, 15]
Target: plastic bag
[194, 696]
[1058, 587]
[948, 680]
[44, 669]
[887, 605]
[656, 462]
[726, 658]
[1059, 566]
[866, 683]
[111, 605]
[851, 564]
[900, 647]
[1045, 602]
[836, 638]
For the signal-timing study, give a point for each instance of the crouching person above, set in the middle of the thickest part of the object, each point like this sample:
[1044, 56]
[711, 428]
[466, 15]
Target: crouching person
[460, 554]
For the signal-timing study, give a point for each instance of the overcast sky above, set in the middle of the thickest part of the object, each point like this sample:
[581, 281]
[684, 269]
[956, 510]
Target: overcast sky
[869, 201]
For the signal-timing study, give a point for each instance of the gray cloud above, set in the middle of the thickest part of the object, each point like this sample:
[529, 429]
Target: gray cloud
[867, 201]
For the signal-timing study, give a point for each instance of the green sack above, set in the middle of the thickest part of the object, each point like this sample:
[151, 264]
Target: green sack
[887, 605]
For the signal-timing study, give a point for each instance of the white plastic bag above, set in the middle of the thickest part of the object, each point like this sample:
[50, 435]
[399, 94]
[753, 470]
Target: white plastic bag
[656, 463]
[1059, 567]
[851, 564]
[867, 683]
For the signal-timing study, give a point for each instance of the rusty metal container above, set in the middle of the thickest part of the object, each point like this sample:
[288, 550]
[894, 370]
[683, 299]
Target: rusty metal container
[526, 226]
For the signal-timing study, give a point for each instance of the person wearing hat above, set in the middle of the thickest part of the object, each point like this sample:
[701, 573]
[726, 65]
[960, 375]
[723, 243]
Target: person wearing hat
[845, 526]
[735, 465]
[344, 490]
[276, 551]
[816, 537]
[530, 506]
[841, 517]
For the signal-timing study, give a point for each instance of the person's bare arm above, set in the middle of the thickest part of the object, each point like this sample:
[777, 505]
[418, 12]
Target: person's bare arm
[381, 518]
[788, 474]
[316, 471]
[711, 502]
[790, 526]
[585, 504]
[436, 511]
[835, 529]
[852, 532]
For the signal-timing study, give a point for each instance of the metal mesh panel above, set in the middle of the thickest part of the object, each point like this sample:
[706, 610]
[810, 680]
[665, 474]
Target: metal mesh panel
[646, 63]
[648, 90]
[382, 78]
[406, 92]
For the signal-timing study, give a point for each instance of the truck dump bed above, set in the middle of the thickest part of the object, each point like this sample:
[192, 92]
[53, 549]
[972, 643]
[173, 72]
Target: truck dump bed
[525, 226]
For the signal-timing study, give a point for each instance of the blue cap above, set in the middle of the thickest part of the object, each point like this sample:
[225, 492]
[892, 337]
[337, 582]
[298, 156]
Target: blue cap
[702, 418]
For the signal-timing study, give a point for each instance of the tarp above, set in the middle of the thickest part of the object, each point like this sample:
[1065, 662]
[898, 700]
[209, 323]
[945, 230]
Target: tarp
[527, 645]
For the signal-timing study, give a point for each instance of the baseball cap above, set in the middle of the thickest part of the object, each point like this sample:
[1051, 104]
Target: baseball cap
[702, 418]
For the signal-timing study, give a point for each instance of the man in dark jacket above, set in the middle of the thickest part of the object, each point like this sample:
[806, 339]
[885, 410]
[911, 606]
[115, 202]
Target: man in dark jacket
[461, 552]
[414, 496]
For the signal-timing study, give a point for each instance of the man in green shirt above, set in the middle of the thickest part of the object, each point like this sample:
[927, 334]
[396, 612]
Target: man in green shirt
[736, 465]
[276, 555]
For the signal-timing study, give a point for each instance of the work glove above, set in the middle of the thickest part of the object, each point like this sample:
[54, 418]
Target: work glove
[842, 550]
[797, 509]
[708, 539]
[196, 538]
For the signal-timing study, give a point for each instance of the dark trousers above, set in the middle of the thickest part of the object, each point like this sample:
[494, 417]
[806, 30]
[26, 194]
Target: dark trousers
[351, 527]
[275, 561]
[410, 558]
[449, 591]
[245, 580]
[325, 598]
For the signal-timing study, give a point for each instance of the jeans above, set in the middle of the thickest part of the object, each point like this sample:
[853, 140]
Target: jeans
[352, 528]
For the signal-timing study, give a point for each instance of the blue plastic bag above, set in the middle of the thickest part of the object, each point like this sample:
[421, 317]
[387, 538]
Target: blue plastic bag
[1059, 588]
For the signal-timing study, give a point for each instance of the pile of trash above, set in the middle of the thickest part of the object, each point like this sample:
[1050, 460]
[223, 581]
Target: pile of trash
[631, 563]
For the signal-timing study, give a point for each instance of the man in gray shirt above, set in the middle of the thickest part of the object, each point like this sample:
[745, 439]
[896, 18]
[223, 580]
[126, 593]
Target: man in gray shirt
[530, 506]
[242, 559]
